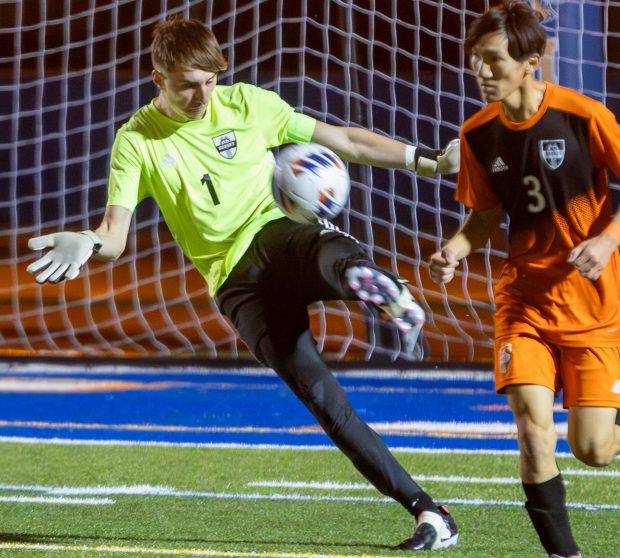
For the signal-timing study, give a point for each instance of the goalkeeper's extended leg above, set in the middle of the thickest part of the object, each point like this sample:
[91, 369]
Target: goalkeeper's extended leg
[266, 297]
[308, 376]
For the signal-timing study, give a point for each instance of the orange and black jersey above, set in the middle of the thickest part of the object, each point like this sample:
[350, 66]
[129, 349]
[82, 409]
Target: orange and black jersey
[549, 174]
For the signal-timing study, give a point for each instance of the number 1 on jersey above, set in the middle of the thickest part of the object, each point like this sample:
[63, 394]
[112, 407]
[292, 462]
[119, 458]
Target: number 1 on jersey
[206, 179]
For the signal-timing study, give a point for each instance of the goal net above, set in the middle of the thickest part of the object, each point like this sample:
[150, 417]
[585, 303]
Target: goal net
[71, 72]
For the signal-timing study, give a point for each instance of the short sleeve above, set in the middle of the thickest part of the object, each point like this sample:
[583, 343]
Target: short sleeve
[125, 173]
[605, 139]
[277, 119]
[473, 188]
[300, 128]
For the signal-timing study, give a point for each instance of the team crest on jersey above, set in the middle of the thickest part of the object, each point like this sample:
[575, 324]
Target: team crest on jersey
[226, 144]
[552, 152]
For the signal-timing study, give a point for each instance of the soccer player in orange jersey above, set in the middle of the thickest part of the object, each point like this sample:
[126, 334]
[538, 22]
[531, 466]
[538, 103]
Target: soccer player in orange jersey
[539, 153]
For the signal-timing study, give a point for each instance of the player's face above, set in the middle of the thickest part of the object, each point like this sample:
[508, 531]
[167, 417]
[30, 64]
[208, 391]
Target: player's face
[184, 92]
[499, 75]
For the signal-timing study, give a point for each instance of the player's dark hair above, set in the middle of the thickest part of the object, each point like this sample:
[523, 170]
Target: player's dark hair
[520, 22]
[186, 42]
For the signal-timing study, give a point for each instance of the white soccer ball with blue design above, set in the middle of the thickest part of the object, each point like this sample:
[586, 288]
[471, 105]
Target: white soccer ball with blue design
[310, 182]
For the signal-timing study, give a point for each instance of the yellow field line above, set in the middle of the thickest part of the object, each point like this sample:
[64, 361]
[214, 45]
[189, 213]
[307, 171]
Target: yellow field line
[177, 551]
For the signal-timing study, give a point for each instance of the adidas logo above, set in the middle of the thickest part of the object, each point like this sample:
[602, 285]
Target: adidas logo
[168, 160]
[616, 387]
[498, 165]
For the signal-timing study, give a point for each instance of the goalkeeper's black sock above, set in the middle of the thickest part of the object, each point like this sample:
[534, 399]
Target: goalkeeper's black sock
[422, 503]
[546, 507]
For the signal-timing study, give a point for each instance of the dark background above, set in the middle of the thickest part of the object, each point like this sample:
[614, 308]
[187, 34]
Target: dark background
[71, 73]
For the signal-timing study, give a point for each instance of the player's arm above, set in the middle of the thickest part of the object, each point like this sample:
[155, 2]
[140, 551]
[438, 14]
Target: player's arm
[591, 256]
[360, 145]
[113, 232]
[478, 227]
[69, 251]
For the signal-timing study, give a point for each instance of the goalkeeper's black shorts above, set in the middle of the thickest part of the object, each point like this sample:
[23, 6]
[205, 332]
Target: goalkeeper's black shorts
[287, 266]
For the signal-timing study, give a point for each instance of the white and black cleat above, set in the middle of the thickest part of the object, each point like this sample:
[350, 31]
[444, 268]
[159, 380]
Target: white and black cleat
[433, 531]
[390, 295]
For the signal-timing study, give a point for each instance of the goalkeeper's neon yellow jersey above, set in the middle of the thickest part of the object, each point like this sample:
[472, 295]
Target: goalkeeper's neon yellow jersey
[211, 178]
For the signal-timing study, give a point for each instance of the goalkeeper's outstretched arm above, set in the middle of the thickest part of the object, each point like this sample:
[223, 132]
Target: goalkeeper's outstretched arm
[360, 145]
[69, 251]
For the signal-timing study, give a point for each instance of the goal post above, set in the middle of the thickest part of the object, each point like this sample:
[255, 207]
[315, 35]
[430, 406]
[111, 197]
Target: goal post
[71, 73]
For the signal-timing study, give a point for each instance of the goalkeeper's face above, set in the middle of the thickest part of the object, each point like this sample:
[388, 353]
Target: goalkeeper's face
[184, 92]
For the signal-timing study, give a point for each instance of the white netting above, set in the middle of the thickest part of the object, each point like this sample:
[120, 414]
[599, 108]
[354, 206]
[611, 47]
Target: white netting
[71, 72]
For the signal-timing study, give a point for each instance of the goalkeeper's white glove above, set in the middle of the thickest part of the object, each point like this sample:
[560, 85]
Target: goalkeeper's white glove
[428, 162]
[69, 252]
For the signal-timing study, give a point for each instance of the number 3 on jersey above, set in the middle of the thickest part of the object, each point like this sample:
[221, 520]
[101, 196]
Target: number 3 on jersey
[534, 186]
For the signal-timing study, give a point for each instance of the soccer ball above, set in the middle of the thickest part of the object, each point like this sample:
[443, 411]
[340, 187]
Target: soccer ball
[310, 182]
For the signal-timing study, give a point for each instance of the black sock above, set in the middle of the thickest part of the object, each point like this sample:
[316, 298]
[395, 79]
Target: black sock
[618, 417]
[546, 507]
[423, 503]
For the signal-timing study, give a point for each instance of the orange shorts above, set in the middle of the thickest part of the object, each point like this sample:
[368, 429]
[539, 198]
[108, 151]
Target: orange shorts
[588, 376]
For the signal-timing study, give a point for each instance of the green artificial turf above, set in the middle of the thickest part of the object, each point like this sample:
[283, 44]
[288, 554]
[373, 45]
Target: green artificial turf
[208, 515]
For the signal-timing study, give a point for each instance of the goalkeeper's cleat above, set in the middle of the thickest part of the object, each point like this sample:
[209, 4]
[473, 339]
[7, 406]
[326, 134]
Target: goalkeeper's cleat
[390, 294]
[434, 530]
[578, 555]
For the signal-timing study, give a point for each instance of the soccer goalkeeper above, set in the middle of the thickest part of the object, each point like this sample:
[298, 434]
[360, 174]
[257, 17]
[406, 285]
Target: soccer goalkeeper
[203, 152]
[540, 153]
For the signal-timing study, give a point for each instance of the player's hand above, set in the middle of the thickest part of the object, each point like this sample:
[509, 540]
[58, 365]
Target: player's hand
[69, 252]
[591, 256]
[449, 160]
[442, 266]
[446, 161]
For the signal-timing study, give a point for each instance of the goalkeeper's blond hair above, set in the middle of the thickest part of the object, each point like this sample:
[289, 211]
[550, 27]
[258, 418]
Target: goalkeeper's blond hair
[186, 42]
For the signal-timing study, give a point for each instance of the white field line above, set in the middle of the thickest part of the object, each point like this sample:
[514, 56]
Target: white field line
[134, 490]
[511, 503]
[333, 485]
[183, 369]
[145, 550]
[587, 473]
[15, 384]
[461, 479]
[450, 429]
[172, 493]
[271, 447]
[57, 501]
[164, 491]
